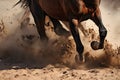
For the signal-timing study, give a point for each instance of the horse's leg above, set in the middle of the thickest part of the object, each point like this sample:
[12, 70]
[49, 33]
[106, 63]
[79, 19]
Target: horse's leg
[39, 18]
[75, 33]
[102, 31]
[59, 30]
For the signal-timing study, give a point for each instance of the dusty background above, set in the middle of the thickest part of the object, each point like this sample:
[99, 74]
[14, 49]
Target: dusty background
[24, 57]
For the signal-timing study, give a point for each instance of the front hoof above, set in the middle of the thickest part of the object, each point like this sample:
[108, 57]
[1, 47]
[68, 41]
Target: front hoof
[79, 59]
[95, 45]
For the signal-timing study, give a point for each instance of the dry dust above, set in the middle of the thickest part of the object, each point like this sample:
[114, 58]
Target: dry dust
[24, 57]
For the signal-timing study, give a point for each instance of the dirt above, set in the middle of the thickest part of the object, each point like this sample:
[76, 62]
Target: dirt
[23, 56]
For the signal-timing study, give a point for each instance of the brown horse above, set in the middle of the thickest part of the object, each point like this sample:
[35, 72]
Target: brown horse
[73, 11]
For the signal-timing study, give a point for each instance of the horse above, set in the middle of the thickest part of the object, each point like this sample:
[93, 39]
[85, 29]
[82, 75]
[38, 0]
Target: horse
[72, 11]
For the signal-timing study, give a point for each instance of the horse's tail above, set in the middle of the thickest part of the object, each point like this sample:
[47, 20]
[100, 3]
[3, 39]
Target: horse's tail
[24, 3]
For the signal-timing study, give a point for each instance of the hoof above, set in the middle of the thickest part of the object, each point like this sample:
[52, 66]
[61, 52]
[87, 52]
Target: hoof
[95, 45]
[79, 59]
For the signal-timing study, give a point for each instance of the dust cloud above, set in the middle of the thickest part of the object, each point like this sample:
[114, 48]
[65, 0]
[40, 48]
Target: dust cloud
[113, 5]
[20, 41]
[110, 13]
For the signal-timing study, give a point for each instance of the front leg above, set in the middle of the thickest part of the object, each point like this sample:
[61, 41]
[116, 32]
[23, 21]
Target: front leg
[75, 33]
[102, 30]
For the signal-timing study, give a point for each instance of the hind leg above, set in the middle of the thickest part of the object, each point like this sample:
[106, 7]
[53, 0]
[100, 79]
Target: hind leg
[39, 18]
[102, 31]
[59, 30]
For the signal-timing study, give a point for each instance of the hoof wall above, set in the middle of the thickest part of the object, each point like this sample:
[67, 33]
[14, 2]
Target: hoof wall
[95, 45]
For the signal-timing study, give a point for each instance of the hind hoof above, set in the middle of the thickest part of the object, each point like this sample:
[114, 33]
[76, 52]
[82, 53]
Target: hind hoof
[62, 32]
[95, 45]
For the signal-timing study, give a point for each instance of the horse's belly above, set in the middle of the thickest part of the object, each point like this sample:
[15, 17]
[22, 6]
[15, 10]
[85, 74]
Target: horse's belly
[53, 9]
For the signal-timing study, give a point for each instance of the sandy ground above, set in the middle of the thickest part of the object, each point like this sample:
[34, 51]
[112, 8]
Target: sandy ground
[25, 58]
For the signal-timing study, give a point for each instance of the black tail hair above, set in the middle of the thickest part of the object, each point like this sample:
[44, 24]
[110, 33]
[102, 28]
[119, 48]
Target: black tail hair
[24, 3]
